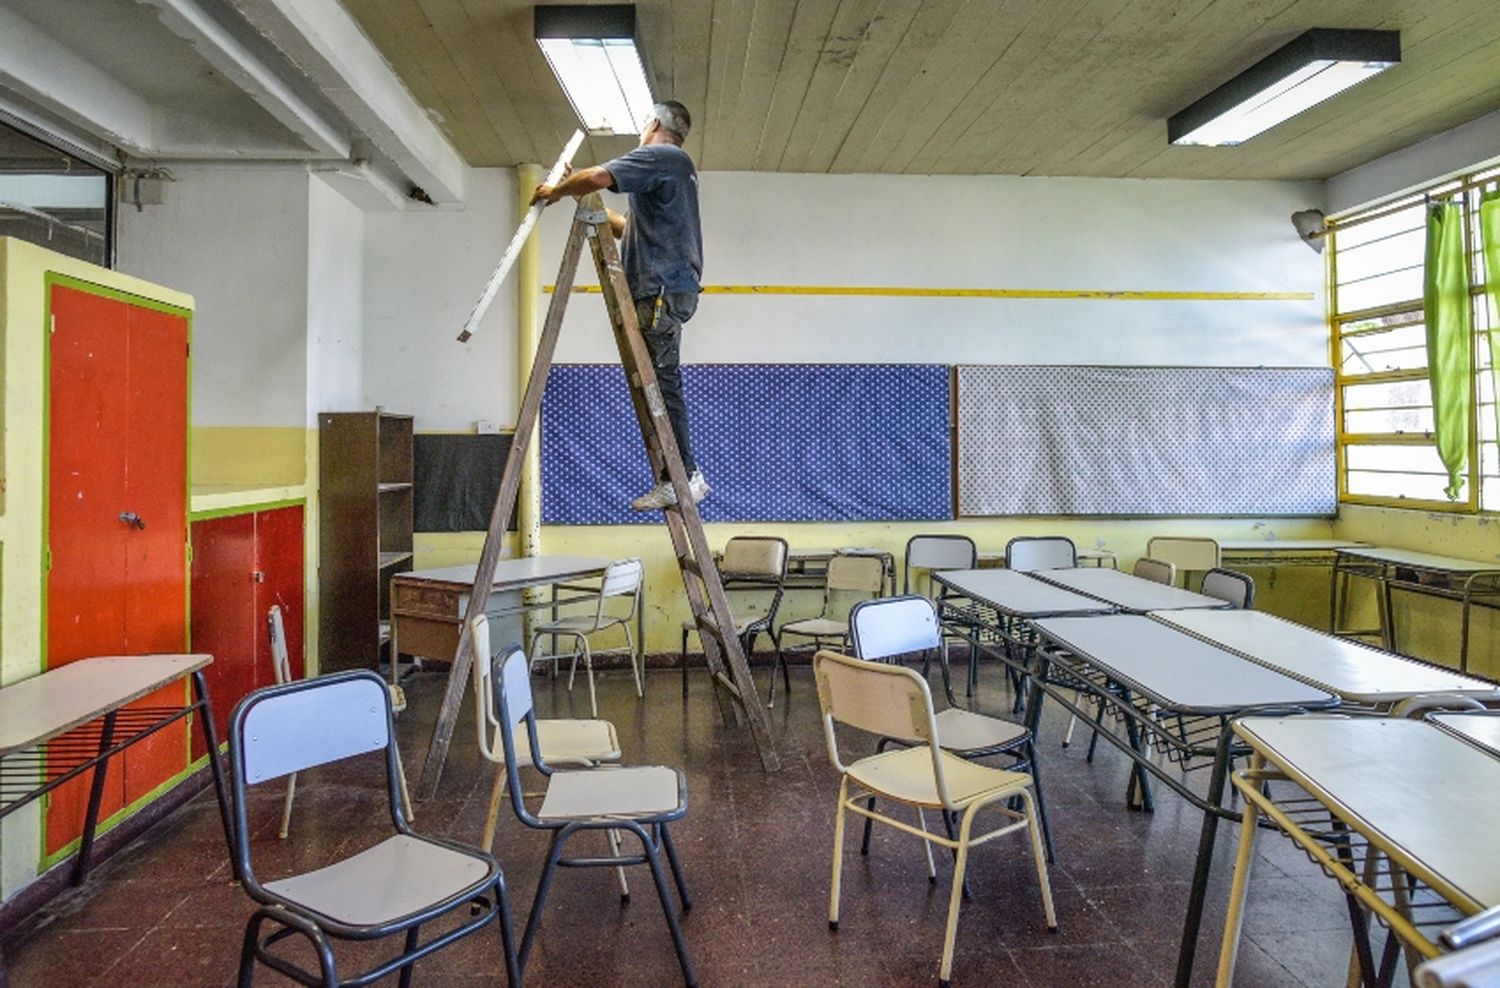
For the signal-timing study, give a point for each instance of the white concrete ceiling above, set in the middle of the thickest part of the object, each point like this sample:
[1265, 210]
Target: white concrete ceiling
[398, 95]
[1050, 87]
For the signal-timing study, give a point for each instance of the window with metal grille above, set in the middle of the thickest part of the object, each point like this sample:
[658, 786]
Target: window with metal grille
[1387, 453]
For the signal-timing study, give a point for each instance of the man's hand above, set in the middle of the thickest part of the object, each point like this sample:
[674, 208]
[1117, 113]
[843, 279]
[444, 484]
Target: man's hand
[544, 193]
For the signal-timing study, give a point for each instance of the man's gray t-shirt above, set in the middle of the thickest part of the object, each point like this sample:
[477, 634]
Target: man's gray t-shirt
[663, 244]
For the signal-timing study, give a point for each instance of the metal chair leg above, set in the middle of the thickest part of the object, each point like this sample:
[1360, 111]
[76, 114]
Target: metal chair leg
[1041, 804]
[688, 977]
[534, 921]
[684, 664]
[411, 944]
[507, 935]
[683, 895]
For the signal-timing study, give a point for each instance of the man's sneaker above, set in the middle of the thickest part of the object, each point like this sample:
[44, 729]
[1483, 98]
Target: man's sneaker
[656, 498]
[663, 495]
[698, 486]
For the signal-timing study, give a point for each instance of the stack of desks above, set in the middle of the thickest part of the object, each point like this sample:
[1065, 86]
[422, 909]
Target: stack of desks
[1164, 672]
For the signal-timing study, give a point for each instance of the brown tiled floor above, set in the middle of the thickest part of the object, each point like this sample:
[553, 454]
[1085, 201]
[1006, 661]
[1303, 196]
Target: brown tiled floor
[756, 851]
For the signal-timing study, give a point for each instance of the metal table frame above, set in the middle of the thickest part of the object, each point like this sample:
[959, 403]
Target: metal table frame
[1379, 877]
[1468, 581]
[42, 755]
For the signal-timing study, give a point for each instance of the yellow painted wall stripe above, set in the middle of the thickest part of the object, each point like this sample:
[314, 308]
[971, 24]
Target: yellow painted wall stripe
[889, 291]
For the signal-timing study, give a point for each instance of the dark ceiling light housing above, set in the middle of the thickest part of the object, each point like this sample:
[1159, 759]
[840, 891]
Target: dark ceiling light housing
[1317, 65]
[593, 52]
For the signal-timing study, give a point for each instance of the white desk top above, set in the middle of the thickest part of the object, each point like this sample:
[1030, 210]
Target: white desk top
[1422, 560]
[1428, 799]
[514, 574]
[1356, 672]
[1482, 729]
[1017, 594]
[1180, 673]
[1269, 546]
[58, 700]
[1129, 593]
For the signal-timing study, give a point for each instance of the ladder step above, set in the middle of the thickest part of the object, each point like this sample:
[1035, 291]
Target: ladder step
[729, 687]
[690, 565]
[708, 624]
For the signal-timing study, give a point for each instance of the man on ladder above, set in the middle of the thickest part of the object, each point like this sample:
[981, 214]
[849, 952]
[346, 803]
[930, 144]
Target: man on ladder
[662, 243]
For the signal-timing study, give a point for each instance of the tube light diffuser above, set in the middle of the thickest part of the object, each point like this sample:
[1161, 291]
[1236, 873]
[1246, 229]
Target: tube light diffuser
[593, 53]
[1316, 66]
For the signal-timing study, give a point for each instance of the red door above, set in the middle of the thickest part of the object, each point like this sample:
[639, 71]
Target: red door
[224, 619]
[278, 543]
[117, 446]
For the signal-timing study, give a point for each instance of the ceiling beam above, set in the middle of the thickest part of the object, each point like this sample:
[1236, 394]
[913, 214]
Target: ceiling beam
[45, 75]
[327, 46]
[234, 60]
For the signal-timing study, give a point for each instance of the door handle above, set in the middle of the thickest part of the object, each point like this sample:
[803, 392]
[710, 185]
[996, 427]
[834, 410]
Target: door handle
[132, 519]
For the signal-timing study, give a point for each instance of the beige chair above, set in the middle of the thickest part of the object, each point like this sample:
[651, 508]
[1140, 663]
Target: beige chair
[1155, 570]
[753, 572]
[1188, 554]
[568, 743]
[850, 579]
[281, 668]
[621, 580]
[893, 701]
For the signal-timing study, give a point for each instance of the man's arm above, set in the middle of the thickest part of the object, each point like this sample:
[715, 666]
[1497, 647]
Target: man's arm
[579, 183]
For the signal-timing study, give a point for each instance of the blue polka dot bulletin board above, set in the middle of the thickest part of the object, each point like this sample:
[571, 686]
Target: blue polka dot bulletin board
[776, 442]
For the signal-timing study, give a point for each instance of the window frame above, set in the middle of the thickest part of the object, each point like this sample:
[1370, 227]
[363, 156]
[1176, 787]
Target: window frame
[1468, 189]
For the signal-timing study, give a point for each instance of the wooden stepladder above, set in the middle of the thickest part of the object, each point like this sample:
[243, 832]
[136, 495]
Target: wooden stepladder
[733, 687]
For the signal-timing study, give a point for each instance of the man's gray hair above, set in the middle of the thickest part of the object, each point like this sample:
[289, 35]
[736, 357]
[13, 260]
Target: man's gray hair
[673, 117]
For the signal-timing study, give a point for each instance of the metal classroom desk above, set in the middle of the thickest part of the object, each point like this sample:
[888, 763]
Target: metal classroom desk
[1283, 552]
[1480, 727]
[1359, 674]
[1177, 690]
[1126, 592]
[1464, 580]
[57, 725]
[1000, 601]
[427, 619]
[1381, 802]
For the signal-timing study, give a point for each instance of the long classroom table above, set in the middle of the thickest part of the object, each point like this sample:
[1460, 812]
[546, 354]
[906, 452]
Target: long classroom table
[1126, 592]
[1359, 795]
[1359, 674]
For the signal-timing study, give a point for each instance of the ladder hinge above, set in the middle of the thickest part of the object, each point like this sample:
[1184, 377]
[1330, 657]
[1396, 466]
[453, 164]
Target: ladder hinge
[593, 217]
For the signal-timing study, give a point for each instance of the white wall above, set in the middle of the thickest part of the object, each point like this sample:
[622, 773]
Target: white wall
[236, 239]
[424, 269]
[993, 232]
[424, 272]
[335, 302]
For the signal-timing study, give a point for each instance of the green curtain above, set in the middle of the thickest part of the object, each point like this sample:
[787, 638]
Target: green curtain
[1489, 228]
[1445, 306]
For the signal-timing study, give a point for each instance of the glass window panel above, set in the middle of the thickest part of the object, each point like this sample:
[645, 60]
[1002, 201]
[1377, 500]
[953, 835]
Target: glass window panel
[1399, 421]
[1410, 218]
[1404, 348]
[1385, 289]
[1417, 487]
[1389, 459]
[52, 199]
[1379, 256]
[1388, 394]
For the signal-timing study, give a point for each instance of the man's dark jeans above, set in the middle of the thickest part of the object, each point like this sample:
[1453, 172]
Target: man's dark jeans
[661, 322]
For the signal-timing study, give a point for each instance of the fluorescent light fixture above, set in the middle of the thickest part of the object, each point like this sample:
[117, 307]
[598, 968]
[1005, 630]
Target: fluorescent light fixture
[592, 50]
[1315, 66]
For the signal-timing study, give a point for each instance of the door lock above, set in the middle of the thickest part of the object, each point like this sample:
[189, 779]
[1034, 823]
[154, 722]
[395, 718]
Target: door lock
[132, 519]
